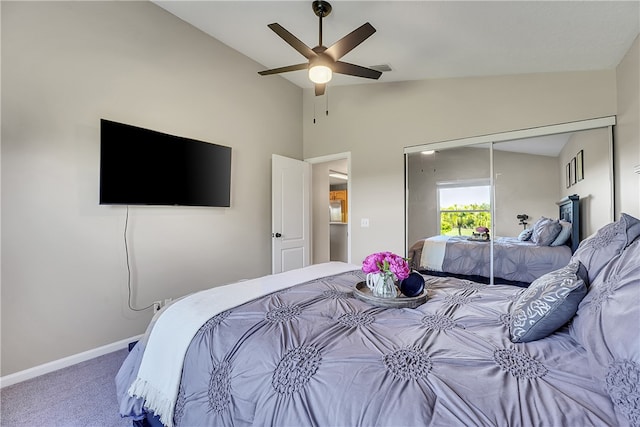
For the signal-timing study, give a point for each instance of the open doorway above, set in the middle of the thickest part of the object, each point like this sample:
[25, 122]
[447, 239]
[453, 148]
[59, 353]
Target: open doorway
[330, 208]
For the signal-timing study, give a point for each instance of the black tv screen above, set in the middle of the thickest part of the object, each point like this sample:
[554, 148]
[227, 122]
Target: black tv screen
[144, 167]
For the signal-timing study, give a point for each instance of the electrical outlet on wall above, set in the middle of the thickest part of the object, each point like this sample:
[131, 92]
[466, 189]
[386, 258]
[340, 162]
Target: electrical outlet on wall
[157, 305]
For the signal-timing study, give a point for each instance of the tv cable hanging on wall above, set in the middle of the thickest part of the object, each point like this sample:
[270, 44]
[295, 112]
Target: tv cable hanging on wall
[126, 250]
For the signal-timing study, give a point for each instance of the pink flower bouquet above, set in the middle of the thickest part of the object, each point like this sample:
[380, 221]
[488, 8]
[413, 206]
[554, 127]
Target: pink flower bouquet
[387, 263]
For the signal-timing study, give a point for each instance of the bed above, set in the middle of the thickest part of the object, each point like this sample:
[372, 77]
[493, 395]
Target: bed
[298, 349]
[517, 260]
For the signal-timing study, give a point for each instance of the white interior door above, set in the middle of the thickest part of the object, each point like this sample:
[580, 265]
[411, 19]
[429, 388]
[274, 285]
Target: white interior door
[290, 213]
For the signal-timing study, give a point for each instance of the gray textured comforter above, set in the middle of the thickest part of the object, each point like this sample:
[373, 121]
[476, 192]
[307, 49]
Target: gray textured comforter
[514, 260]
[315, 355]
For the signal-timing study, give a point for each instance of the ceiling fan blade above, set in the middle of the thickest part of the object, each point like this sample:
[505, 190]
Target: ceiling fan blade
[350, 41]
[356, 70]
[293, 41]
[320, 87]
[284, 69]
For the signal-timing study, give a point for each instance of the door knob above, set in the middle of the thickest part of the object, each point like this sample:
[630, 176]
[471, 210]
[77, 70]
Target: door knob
[277, 235]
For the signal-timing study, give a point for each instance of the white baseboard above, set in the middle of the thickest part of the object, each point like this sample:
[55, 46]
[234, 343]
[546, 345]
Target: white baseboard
[36, 371]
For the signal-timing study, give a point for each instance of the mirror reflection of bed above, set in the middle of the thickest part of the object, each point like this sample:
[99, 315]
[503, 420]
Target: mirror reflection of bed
[529, 181]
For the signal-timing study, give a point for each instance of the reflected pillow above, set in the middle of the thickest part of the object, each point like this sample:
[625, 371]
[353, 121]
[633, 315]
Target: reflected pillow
[548, 303]
[609, 241]
[525, 234]
[564, 235]
[545, 231]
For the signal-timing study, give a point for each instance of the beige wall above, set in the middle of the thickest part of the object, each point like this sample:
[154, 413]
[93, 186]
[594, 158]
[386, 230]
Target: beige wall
[524, 184]
[65, 65]
[375, 123]
[595, 189]
[627, 133]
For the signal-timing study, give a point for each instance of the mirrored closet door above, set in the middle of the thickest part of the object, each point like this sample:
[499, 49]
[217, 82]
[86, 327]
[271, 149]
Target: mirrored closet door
[503, 183]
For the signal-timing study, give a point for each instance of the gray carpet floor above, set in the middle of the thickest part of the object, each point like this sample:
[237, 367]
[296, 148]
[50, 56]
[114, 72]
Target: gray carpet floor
[83, 395]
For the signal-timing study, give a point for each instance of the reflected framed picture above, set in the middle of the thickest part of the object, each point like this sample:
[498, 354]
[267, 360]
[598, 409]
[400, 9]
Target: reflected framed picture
[573, 171]
[580, 166]
[568, 175]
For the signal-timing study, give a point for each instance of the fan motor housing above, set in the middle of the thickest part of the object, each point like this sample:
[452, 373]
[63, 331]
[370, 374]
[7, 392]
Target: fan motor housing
[321, 8]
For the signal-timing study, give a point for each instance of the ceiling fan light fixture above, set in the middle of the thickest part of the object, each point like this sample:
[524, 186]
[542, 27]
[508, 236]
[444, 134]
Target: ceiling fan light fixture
[320, 74]
[324, 61]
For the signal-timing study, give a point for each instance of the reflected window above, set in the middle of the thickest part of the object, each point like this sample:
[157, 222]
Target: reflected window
[463, 206]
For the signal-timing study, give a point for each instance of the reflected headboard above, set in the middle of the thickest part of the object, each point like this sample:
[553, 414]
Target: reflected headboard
[569, 210]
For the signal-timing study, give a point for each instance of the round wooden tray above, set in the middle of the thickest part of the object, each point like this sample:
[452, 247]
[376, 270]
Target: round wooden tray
[362, 292]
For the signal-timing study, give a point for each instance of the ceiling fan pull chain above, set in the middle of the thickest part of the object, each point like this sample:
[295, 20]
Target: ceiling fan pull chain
[327, 100]
[314, 112]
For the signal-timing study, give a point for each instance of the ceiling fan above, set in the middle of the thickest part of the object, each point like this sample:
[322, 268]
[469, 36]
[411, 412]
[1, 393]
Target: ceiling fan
[324, 61]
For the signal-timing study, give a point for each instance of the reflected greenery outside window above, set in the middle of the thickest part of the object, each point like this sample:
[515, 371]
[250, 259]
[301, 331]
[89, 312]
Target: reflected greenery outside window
[463, 206]
[462, 220]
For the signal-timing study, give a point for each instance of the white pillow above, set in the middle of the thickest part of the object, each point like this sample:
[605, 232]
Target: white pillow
[525, 234]
[564, 235]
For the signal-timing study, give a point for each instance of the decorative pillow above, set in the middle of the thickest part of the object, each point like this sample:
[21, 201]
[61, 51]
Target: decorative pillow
[606, 325]
[564, 235]
[545, 231]
[548, 303]
[539, 221]
[525, 234]
[600, 248]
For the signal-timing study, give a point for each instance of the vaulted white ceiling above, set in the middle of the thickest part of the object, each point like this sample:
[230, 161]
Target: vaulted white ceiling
[429, 39]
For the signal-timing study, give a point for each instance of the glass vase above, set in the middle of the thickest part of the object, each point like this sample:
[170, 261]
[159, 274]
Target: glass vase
[385, 286]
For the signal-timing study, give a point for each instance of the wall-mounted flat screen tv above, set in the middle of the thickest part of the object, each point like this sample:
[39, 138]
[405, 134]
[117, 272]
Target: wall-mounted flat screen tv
[144, 167]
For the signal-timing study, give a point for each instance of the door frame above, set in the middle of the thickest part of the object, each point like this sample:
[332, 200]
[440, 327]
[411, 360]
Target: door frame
[329, 158]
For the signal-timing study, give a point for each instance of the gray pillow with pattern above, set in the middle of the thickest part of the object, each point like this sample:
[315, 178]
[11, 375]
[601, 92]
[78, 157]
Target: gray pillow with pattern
[545, 231]
[548, 303]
